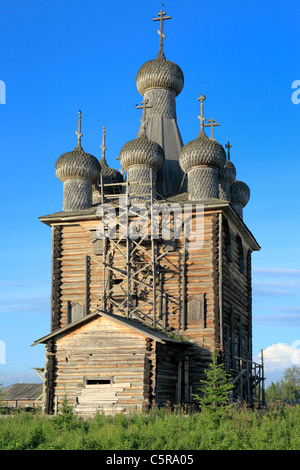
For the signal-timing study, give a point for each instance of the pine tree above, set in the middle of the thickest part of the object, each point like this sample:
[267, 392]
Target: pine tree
[214, 392]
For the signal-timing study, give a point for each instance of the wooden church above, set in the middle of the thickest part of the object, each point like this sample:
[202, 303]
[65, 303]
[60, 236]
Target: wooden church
[151, 265]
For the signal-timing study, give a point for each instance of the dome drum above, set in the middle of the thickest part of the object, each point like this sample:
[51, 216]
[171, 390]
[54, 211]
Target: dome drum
[203, 184]
[143, 181]
[162, 102]
[77, 194]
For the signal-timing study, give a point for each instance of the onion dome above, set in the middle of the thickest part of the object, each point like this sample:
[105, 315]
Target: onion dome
[227, 173]
[240, 193]
[110, 175]
[160, 73]
[202, 151]
[78, 171]
[142, 151]
[77, 164]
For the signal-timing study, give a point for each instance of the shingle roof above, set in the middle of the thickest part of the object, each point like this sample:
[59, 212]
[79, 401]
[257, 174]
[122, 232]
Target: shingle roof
[22, 391]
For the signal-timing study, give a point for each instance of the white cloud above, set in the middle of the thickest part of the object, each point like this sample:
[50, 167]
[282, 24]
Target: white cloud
[279, 357]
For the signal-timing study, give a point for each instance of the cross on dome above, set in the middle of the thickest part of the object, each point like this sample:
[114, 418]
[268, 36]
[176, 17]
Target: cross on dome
[201, 117]
[79, 135]
[162, 18]
[228, 146]
[103, 143]
[211, 124]
[144, 106]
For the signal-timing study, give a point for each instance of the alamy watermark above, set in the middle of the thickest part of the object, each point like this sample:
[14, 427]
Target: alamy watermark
[164, 221]
[2, 92]
[296, 94]
[2, 352]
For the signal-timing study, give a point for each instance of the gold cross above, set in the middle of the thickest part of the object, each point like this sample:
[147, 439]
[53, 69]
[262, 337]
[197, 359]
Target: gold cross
[202, 119]
[228, 149]
[79, 135]
[144, 107]
[103, 143]
[211, 125]
[162, 17]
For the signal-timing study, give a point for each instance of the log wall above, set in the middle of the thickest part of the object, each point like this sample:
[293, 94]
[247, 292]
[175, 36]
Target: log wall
[107, 351]
[203, 295]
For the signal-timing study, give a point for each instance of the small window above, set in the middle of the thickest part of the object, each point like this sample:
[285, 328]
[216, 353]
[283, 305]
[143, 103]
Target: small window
[98, 381]
[75, 311]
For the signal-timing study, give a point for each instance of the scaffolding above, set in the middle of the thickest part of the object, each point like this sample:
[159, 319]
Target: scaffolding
[249, 381]
[134, 287]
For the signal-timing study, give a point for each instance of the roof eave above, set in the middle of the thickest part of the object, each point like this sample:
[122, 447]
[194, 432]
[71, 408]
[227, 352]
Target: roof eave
[144, 330]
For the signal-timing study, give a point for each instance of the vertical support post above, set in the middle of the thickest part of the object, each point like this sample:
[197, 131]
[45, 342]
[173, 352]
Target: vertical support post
[184, 313]
[242, 382]
[161, 296]
[241, 336]
[232, 335]
[87, 278]
[154, 280]
[127, 249]
[165, 311]
[103, 306]
[221, 280]
[153, 249]
[186, 381]
[263, 377]
[179, 378]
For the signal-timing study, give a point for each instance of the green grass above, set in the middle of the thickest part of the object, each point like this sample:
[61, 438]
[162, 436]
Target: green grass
[277, 428]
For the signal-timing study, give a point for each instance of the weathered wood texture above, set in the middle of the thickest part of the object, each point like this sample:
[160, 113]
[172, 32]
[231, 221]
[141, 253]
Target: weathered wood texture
[203, 294]
[105, 350]
[56, 278]
[237, 301]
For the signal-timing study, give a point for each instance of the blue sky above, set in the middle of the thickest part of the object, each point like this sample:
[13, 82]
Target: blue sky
[58, 57]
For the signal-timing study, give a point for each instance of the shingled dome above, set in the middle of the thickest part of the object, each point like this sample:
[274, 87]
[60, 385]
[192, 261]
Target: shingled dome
[77, 164]
[160, 73]
[240, 193]
[110, 175]
[202, 151]
[227, 173]
[142, 151]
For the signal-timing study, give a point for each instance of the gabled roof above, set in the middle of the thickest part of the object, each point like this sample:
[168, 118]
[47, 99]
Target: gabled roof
[135, 326]
[22, 391]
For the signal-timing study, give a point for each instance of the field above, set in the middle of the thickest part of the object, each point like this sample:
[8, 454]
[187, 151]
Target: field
[275, 428]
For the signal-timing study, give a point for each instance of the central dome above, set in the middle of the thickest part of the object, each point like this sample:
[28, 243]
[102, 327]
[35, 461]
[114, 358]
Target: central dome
[160, 73]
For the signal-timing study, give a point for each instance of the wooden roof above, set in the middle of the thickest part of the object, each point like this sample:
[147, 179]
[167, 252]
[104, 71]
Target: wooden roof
[135, 326]
[181, 199]
[22, 391]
